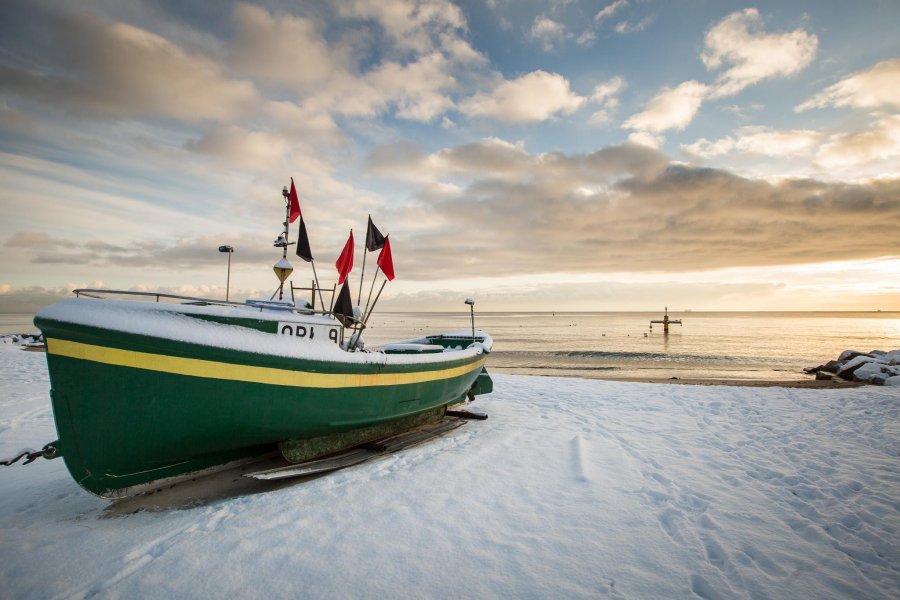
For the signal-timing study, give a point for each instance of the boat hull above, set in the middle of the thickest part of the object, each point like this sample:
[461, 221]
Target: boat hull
[131, 409]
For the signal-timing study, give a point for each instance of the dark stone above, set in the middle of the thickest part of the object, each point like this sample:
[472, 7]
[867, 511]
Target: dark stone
[824, 376]
[832, 366]
[847, 372]
[811, 370]
[851, 354]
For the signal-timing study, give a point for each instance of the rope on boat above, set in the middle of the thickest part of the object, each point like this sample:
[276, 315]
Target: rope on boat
[49, 451]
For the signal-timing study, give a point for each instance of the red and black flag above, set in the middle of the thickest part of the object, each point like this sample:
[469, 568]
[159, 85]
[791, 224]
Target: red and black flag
[344, 262]
[303, 250]
[374, 239]
[295, 203]
[386, 260]
[343, 306]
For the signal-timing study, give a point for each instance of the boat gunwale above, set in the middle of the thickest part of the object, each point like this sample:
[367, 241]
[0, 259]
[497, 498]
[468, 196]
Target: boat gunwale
[278, 349]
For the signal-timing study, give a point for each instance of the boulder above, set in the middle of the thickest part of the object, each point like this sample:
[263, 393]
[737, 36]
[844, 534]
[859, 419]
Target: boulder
[851, 354]
[849, 368]
[892, 357]
[876, 367]
[832, 366]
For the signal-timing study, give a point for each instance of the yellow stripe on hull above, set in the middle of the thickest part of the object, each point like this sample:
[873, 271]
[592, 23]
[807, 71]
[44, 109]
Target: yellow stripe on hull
[195, 367]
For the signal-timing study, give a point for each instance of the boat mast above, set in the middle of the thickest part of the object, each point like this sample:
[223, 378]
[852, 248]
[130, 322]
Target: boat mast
[287, 218]
[283, 268]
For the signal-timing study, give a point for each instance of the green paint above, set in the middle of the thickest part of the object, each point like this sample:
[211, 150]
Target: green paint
[124, 426]
[297, 451]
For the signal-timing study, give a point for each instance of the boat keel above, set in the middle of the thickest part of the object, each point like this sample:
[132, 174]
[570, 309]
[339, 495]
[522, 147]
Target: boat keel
[362, 453]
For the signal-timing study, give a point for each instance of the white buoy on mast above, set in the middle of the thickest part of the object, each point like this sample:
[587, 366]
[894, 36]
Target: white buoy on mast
[283, 268]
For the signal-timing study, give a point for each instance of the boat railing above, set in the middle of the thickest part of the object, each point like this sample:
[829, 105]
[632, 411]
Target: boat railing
[91, 293]
[94, 293]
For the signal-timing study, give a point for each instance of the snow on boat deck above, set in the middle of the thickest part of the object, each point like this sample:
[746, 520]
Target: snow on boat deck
[572, 489]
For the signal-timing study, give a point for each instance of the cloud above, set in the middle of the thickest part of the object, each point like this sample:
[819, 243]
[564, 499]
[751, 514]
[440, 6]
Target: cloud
[644, 138]
[605, 95]
[607, 90]
[672, 108]
[877, 87]
[626, 27]
[880, 142]
[116, 70]
[491, 157]
[759, 140]
[870, 151]
[547, 31]
[496, 159]
[250, 150]
[197, 252]
[412, 25]
[284, 50]
[749, 55]
[303, 121]
[627, 208]
[534, 97]
[30, 239]
[609, 10]
[418, 89]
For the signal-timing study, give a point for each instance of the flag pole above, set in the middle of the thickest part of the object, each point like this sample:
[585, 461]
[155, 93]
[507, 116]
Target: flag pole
[366, 320]
[318, 287]
[363, 274]
[374, 279]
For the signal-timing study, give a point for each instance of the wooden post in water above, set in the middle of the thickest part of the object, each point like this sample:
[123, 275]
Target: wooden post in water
[666, 321]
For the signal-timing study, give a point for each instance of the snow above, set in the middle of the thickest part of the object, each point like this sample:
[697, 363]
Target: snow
[571, 489]
[169, 321]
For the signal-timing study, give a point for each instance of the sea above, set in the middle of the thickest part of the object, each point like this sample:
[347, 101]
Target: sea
[622, 345]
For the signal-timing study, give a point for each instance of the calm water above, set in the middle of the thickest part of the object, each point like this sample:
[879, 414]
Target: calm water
[708, 345]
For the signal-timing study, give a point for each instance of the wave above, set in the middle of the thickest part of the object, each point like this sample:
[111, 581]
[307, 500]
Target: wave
[560, 368]
[620, 355]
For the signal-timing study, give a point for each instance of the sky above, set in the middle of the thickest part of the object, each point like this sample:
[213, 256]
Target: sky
[557, 155]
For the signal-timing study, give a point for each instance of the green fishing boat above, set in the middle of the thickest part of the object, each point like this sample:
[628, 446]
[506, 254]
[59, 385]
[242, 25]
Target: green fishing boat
[150, 388]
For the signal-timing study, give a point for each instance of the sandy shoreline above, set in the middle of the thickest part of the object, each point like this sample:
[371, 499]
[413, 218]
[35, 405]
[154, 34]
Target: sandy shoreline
[788, 383]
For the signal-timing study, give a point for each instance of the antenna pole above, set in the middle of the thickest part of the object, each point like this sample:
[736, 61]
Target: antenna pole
[228, 280]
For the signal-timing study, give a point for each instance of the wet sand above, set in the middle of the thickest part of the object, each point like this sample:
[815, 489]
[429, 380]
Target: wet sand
[799, 382]
[789, 383]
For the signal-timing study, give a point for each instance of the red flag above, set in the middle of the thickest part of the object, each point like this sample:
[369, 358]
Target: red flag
[385, 260]
[295, 203]
[344, 262]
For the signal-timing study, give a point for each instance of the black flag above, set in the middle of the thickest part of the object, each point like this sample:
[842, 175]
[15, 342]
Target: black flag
[343, 306]
[303, 250]
[374, 239]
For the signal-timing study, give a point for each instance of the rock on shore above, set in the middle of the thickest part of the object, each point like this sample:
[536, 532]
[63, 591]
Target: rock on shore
[878, 367]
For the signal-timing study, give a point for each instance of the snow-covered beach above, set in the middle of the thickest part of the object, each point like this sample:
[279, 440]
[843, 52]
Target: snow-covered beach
[573, 488]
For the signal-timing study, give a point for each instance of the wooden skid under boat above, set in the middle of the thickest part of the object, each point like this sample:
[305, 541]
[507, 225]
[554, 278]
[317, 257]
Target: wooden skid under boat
[144, 392]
